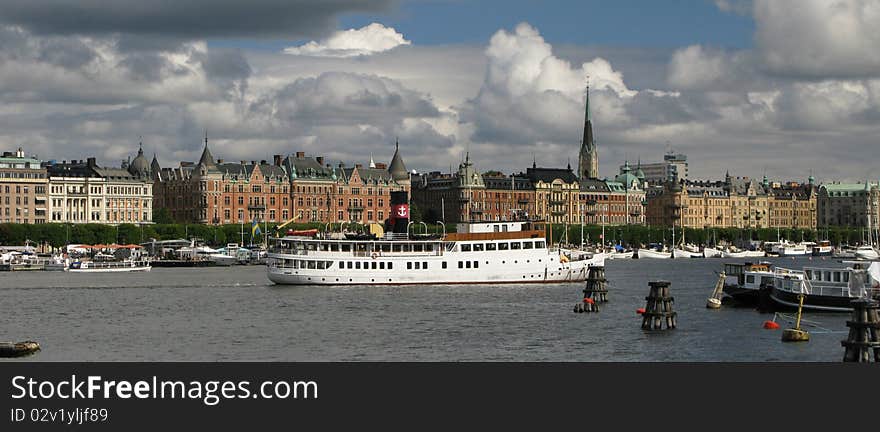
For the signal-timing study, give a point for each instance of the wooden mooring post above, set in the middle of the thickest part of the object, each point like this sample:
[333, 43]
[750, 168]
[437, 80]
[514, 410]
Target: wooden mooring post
[595, 291]
[864, 332]
[658, 310]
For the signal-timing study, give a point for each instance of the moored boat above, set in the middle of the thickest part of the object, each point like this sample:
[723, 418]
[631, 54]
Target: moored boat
[109, 266]
[826, 289]
[478, 253]
[823, 248]
[744, 280]
[653, 254]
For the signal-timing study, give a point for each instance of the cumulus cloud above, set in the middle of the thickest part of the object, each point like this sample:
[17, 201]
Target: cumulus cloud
[367, 40]
[819, 39]
[533, 100]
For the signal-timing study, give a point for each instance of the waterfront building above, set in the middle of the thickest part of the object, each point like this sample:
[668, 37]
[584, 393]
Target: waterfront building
[557, 193]
[793, 205]
[296, 187]
[83, 192]
[734, 203]
[23, 186]
[849, 205]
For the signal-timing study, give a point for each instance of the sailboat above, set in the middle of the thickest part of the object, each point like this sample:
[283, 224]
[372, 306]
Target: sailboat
[682, 252]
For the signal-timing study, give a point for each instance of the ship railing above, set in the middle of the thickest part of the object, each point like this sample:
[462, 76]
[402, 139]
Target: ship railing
[287, 251]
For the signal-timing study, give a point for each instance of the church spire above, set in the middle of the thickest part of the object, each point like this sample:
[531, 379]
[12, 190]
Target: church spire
[588, 159]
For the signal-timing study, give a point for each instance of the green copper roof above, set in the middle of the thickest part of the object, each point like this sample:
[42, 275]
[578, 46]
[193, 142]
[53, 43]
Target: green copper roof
[846, 187]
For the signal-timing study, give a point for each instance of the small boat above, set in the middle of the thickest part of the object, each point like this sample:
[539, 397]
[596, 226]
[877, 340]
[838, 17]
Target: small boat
[58, 263]
[711, 252]
[653, 254]
[788, 249]
[621, 255]
[109, 266]
[743, 281]
[681, 253]
[867, 253]
[823, 248]
[18, 349]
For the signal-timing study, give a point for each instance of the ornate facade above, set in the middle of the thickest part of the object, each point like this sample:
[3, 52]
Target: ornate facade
[23, 186]
[296, 187]
[83, 192]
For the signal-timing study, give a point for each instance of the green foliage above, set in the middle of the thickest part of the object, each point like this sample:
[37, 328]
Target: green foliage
[162, 216]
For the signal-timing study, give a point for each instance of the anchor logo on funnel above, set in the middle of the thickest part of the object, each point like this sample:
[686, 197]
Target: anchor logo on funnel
[402, 212]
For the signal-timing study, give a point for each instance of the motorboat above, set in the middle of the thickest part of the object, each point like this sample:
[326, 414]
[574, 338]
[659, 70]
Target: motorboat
[823, 248]
[826, 289]
[743, 281]
[709, 252]
[128, 265]
[867, 253]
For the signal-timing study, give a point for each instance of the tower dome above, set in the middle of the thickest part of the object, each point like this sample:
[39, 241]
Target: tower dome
[139, 166]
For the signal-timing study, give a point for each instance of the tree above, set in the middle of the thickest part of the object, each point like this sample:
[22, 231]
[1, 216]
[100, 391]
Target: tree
[162, 216]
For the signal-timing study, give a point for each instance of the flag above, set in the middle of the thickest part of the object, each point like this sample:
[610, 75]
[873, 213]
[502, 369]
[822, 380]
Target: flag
[255, 228]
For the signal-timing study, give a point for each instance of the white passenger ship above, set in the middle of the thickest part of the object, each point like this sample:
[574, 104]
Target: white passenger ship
[479, 253]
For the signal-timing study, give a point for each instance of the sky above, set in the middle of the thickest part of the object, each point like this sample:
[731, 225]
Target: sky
[782, 87]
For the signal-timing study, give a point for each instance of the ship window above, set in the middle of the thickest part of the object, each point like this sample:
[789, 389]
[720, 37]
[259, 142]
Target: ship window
[460, 264]
[836, 276]
[342, 264]
[467, 264]
[334, 247]
[390, 266]
[527, 245]
[503, 246]
[490, 246]
[385, 247]
[407, 247]
[425, 265]
[396, 248]
[325, 247]
[750, 279]
[465, 248]
[374, 265]
[846, 277]
[409, 266]
[429, 247]
[444, 264]
[350, 264]
[417, 247]
[418, 265]
[828, 276]
[311, 264]
[311, 246]
[810, 274]
[321, 265]
[514, 245]
[382, 265]
[539, 245]
[476, 264]
[478, 247]
[357, 265]
[346, 247]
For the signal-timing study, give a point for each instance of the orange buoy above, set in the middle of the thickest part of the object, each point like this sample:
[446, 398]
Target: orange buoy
[770, 325]
[588, 300]
[640, 311]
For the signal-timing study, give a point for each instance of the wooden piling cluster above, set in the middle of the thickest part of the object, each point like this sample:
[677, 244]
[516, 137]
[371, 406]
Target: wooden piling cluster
[596, 285]
[658, 310]
[595, 291]
[864, 332]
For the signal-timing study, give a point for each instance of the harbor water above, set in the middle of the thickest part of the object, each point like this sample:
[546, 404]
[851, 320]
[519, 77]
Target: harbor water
[236, 314]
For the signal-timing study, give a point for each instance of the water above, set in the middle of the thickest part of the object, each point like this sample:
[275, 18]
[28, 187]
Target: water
[236, 314]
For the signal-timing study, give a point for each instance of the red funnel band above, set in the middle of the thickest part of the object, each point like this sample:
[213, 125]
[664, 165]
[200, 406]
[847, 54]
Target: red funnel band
[400, 211]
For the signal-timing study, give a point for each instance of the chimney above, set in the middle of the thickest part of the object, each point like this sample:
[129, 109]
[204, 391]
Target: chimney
[92, 163]
[219, 161]
[300, 155]
[320, 160]
[276, 160]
